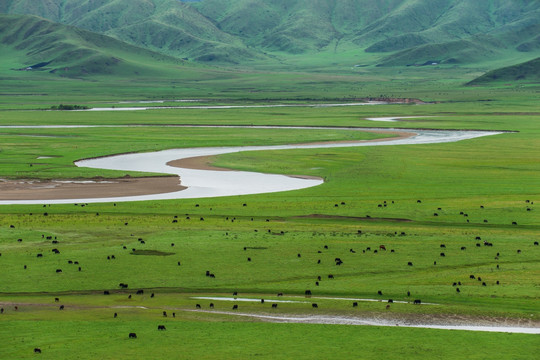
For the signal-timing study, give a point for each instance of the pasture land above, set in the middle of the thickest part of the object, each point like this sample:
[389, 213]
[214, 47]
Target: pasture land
[477, 188]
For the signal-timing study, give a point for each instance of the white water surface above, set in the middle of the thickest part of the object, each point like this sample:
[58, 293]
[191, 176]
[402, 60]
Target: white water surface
[234, 106]
[218, 298]
[209, 183]
[344, 320]
[393, 119]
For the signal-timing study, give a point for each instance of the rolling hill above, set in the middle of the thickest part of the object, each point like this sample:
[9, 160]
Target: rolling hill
[393, 32]
[168, 26]
[29, 43]
[528, 71]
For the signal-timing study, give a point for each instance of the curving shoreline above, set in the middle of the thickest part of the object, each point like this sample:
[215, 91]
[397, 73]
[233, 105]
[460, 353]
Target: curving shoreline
[199, 181]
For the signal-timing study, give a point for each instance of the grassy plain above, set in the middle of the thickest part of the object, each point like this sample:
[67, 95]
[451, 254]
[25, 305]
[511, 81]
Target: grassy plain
[496, 172]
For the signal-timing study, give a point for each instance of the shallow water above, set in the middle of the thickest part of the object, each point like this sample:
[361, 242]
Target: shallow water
[342, 320]
[239, 299]
[233, 106]
[208, 183]
[393, 119]
[349, 320]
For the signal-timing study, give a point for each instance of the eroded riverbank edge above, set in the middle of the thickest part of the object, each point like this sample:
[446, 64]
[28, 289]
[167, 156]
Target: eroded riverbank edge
[206, 162]
[34, 189]
[203, 183]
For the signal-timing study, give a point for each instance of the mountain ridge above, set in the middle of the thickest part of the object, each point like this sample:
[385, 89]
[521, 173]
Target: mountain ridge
[395, 32]
[70, 51]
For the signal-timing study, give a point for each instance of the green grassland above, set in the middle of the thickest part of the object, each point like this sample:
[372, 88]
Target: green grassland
[244, 340]
[496, 172]
[280, 54]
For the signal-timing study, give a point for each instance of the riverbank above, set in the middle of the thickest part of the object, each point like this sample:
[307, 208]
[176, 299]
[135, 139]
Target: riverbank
[199, 179]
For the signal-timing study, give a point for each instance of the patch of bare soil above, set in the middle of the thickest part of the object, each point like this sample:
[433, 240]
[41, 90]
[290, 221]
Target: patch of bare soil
[87, 188]
[197, 163]
[127, 186]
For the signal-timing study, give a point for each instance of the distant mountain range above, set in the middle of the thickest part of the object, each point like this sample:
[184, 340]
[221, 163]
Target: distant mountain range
[394, 32]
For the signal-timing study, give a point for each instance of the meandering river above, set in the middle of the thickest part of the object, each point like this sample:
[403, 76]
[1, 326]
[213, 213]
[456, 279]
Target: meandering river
[211, 183]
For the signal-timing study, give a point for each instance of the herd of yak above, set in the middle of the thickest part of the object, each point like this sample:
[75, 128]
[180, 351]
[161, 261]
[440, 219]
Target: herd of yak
[338, 262]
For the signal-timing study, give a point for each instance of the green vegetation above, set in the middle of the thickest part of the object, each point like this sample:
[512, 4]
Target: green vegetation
[256, 33]
[494, 172]
[60, 148]
[108, 339]
[528, 71]
[33, 44]
[411, 199]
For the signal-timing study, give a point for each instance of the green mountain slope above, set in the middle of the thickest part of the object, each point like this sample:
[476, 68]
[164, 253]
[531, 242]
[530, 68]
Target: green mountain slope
[29, 43]
[168, 26]
[425, 29]
[395, 32]
[528, 71]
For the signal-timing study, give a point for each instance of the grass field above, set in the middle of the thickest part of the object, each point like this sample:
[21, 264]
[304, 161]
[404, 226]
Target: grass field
[493, 180]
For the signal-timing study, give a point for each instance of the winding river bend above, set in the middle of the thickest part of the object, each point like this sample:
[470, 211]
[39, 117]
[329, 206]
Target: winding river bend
[212, 183]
